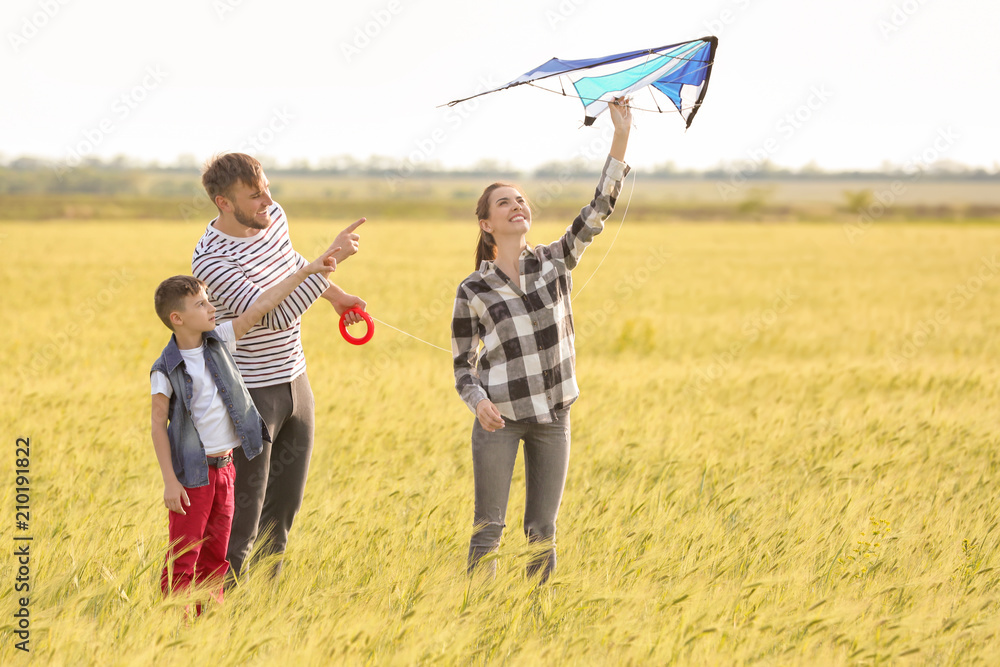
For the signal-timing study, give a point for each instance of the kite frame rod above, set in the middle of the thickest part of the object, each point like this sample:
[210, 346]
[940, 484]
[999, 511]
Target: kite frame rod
[596, 99]
[712, 41]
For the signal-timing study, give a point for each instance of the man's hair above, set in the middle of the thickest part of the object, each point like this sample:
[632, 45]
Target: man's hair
[223, 171]
[170, 295]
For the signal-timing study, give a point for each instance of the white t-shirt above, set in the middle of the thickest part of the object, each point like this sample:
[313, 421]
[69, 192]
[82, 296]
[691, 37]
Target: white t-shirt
[215, 426]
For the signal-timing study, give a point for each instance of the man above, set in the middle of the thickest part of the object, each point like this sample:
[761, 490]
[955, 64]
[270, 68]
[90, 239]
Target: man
[244, 251]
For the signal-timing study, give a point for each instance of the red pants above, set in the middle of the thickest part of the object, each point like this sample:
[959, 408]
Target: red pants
[200, 537]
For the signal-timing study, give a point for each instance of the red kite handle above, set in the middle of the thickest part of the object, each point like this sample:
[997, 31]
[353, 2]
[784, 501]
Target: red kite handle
[368, 320]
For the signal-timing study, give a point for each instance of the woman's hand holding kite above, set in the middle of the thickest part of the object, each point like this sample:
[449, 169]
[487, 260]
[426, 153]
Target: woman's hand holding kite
[621, 118]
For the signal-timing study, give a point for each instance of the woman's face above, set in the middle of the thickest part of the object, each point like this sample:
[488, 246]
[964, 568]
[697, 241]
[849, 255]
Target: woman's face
[509, 213]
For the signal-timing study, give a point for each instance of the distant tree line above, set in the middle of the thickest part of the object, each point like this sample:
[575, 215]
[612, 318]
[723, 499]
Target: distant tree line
[124, 176]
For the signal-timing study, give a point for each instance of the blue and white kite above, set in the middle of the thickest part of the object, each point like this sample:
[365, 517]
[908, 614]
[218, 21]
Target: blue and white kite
[676, 73]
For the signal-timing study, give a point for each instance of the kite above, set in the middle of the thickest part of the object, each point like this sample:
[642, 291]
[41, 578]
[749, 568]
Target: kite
[676, 74]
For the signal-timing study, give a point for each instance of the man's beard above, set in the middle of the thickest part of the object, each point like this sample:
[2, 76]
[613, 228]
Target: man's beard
[250, 221]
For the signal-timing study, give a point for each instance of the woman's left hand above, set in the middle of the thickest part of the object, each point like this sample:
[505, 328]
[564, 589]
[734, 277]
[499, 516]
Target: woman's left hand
[489, 416]
[621, 114]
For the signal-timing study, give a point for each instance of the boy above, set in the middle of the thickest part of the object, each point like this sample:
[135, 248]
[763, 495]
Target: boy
[194, 437]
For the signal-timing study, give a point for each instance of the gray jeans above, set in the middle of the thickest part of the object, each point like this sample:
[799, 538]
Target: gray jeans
[546, 460]
[269, 487]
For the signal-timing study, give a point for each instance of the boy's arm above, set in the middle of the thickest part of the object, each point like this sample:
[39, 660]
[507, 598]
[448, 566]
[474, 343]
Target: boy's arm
[174, 495]
[228, 283]
[270, 298]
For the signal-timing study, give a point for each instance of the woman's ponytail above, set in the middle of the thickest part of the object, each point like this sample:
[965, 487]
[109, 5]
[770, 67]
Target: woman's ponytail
[486, 247]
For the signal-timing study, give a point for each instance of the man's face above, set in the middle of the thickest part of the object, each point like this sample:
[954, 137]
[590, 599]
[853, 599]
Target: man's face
[250, 204]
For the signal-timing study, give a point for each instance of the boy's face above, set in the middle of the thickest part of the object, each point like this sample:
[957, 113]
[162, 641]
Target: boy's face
[198, 314]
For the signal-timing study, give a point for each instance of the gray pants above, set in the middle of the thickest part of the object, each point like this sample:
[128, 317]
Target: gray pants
[269, 487]
[546, 460]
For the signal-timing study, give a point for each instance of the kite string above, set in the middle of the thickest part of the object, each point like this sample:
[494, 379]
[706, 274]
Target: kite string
[597, 99]
[617, 232]
[621, 223]
[409, 334]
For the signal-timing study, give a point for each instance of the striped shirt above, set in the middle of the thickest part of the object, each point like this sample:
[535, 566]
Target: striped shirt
[526, 366]
[236, 271]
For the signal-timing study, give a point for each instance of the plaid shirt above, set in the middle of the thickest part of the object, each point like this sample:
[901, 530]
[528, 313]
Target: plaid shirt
[527, 363]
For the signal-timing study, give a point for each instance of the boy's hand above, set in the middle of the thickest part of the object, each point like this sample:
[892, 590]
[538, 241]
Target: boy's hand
[348, 241]
[325, 263]
[175, 497]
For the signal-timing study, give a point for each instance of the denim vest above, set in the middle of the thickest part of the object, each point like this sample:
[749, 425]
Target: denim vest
[186, 449]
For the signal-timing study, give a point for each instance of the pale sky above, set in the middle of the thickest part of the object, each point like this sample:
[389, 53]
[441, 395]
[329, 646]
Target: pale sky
[846, 84]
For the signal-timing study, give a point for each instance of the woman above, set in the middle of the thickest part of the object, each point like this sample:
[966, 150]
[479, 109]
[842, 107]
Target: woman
[522, 383]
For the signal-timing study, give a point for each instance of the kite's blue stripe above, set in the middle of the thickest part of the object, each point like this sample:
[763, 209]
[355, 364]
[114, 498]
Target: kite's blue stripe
[671, 90]
[592, 88]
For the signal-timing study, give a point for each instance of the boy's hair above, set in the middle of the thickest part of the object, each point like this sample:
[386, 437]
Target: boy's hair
[223, 171]
[170, 295]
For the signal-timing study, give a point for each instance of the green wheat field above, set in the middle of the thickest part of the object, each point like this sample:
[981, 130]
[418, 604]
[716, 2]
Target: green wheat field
[786, 452]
